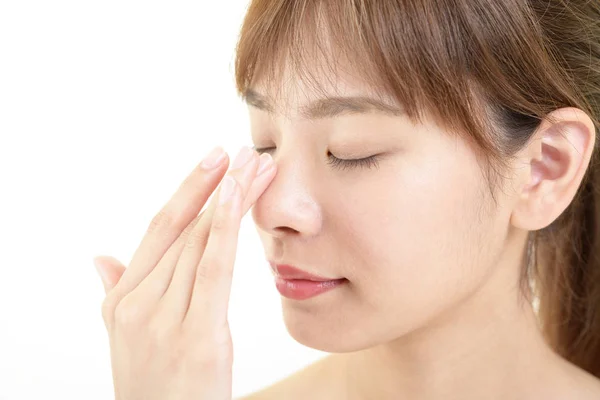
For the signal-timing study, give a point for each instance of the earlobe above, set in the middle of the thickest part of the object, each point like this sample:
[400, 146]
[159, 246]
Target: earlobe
[557, 158]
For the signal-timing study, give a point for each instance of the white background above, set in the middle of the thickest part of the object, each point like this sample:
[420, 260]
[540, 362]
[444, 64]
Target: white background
[105, 107]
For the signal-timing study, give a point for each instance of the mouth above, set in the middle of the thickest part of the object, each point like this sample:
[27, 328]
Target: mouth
[297, 284]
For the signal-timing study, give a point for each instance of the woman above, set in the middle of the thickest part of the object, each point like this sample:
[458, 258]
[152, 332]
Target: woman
[434, 164]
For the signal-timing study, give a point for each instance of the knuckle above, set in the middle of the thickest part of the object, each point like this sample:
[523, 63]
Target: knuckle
[108, 310]
[203, 272]
[161, 221]
[128, 313]
[195, 238]
[207, 271]
[190, 227]
[219, 222]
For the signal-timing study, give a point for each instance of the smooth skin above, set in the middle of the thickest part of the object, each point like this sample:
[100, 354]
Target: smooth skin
[166, 313]
[431, 308]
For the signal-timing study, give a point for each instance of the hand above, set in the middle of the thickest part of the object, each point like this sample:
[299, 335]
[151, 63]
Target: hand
[166, 314]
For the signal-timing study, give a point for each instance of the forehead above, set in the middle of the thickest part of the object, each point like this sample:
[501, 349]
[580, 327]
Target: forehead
[319, 91]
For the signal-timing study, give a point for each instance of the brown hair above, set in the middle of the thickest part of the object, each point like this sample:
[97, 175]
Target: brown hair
[488, 70]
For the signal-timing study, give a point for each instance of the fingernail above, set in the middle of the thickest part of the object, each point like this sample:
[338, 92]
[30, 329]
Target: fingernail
[242, 158]
[214, 158]
[266, 161]
[227, 189]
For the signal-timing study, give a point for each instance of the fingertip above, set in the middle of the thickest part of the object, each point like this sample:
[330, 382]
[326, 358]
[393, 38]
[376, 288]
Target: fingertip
[266, 162]
[100, 269]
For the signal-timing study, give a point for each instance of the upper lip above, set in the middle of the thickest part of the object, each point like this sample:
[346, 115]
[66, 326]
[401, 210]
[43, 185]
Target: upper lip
[287, 271]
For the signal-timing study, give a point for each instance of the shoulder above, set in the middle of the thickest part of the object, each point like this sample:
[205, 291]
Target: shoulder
[311, 382]
[587, 386]
[571, 382]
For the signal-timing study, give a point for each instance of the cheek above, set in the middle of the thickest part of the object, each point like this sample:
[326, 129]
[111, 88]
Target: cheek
[417, 233]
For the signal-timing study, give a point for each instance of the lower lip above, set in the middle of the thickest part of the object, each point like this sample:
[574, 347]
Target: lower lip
[300, 289]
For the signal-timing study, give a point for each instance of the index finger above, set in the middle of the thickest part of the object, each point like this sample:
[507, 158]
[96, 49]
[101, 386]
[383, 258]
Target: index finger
[212, 285]
[168, 224]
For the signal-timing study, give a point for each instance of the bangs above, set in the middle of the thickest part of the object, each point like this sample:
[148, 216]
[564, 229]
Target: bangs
[414, 54]
[486, 70]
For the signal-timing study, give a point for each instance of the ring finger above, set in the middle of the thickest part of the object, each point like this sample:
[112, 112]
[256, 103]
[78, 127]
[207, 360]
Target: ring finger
[176, 297]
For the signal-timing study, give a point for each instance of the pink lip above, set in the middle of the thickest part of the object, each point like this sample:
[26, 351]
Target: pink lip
[296, 284]
[290, 272]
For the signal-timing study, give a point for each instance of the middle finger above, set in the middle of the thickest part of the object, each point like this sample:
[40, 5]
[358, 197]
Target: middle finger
[167, 225]
[179, 291]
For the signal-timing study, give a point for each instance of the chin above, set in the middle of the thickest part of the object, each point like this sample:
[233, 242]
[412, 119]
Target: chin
[326, 331]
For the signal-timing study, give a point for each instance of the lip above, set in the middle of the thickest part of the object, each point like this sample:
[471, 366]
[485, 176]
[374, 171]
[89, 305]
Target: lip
[297, 284]
[286, 271]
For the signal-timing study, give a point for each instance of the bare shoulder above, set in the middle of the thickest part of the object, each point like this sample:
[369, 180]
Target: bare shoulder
[588, 386]
[310, 382]
[576, 383]
[588, 390]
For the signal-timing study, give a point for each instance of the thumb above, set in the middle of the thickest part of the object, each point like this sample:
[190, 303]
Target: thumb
[110, 270]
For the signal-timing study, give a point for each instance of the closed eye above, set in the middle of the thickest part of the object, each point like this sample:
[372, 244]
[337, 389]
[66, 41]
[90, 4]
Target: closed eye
[366, 162]
[340, 163]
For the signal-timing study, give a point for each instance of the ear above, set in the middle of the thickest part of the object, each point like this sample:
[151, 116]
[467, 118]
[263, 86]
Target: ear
[555, 160]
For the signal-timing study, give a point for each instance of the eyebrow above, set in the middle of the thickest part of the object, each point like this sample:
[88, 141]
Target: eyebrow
[328, 107]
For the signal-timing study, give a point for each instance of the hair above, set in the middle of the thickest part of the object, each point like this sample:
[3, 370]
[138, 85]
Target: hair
[487, 70]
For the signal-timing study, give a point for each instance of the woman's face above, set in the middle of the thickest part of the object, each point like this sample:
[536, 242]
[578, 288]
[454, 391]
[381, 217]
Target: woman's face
[413, 236]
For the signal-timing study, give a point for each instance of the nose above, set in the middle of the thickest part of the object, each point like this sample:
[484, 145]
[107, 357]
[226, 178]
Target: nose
[288, 207]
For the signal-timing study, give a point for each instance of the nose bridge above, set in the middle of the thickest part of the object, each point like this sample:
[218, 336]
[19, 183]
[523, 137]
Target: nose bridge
[294, 159]
[289, 202]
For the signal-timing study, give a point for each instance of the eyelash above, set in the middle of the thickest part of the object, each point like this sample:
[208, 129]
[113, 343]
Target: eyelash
[339, 163]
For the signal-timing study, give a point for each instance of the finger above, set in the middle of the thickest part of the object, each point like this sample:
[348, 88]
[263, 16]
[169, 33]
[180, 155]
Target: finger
[167, 225]
[110, 270]
[264, 176]
[212, 283]
[179, 291]
[181, 278]
[158, 280]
